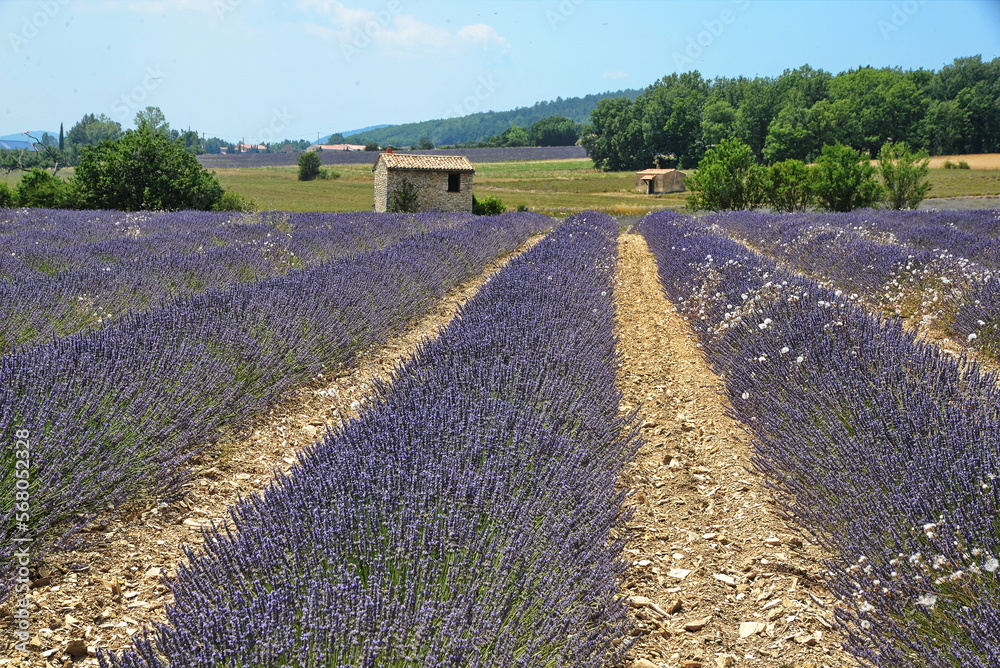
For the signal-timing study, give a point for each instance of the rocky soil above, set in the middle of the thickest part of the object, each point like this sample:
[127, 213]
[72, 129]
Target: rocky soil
[717, 578]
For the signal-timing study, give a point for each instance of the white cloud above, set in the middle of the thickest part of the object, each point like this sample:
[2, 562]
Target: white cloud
[480, 33]
[615, 74]
[391, 29]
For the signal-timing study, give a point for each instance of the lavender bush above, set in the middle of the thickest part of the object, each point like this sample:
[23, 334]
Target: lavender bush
[881, 446]
[932, 285]
[116, 412]
[464, 520]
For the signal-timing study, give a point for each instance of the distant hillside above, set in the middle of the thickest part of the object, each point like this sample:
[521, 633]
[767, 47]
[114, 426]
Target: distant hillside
[326, 139]
[20, 136]
[480, 126]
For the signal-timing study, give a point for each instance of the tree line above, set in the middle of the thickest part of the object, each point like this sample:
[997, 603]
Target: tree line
[66, 151]
[730, 178]
[148, 168]
[793, 116]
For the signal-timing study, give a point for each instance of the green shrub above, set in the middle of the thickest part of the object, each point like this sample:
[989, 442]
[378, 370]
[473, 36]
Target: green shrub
[6, 196]
[328, 174]
[787, 186]
[728, 178]
[488, 206]
[904, 175]
[233, 201]
[37, 188]
[309, 163]
[844, 179]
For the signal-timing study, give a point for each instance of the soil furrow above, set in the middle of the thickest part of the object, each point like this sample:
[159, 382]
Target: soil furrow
[717, 578]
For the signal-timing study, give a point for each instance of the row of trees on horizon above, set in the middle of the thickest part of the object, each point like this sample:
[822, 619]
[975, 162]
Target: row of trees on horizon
[677, 119]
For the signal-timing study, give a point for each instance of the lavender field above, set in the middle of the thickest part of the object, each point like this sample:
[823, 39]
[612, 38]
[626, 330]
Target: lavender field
[472, 513]
[369, 157]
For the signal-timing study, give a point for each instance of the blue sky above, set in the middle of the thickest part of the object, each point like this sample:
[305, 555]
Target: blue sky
[263, 70]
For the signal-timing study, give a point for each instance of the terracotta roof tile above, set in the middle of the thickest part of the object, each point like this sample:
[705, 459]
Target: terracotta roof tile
[448, 163]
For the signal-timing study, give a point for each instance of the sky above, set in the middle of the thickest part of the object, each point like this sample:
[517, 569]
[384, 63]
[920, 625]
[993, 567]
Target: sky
[263, 70]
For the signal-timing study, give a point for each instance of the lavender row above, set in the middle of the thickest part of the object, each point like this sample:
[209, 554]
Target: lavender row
[117, 412]
[97, 282]
[934, 287]
[518, 154]
[464, 520]
[37, 243]
[881, 446]
[974, 235]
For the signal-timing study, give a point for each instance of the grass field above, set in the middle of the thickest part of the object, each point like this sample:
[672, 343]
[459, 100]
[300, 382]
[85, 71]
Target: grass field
[554, 187]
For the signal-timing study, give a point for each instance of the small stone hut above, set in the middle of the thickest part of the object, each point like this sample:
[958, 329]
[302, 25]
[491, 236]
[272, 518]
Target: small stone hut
[653, 181]
[442, 182]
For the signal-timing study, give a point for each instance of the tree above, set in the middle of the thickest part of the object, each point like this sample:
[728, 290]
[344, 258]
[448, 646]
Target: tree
[904, 174]
[515, 135]
[718, 121]
[152, 119]
[788, 186]
[728, 178]
[614, 137]
[144, 170]
[789, 136]
[371, 146]
[191, 142]
[213, 145]
[554, 131]
[88, 131]
[844, 179]
[425, 144]
[309, 163]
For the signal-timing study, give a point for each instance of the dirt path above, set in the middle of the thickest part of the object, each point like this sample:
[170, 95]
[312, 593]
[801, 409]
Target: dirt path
[102, 594]
[717, 578]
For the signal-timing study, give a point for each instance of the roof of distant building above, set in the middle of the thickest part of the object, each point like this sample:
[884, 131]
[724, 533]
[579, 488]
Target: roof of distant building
[337, 147]
[17, 145]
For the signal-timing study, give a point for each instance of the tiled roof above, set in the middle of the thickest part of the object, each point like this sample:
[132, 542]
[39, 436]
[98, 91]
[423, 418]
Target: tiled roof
[442, 163]
[656, 171]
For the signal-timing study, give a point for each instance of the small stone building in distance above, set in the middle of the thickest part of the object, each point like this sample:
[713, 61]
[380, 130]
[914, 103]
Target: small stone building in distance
[442, 182]
[653, 181]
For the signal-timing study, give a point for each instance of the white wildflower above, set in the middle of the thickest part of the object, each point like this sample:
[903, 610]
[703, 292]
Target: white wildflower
[927, 600]
[990, 566]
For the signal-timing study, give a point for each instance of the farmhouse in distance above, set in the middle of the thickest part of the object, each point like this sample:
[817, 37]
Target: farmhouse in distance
[441, 182]
[655, 181]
